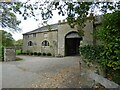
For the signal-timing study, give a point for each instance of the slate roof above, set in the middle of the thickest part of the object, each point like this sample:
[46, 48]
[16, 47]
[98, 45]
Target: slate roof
[43, 29]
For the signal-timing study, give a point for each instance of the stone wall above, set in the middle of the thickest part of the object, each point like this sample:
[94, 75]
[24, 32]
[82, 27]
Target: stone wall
[63, 30]
[93, 75]
[50, 36]
[0, 45]
[9, 54]
[56, 39]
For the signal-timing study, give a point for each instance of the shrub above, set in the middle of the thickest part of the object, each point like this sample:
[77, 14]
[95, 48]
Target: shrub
[109, 34]
[18, 59]
[49, 54]
[91, 52]
[2, 54]
[27, 53]
[35, 53]
[44, 54]
[18, 52]
[24, 53]
[31, 53]
[39, 54]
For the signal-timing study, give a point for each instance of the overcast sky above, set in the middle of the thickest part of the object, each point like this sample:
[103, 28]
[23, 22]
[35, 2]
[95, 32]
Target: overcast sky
[31, 24]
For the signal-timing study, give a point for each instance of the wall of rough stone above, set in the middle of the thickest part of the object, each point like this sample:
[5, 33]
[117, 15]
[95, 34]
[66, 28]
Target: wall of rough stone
[88, 33]
[63, 29]
[9, 54]
[51, 37]
[56, 39]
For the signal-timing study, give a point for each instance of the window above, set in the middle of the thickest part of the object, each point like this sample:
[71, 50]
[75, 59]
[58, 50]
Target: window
[45, 43]
[34, 34]
[30, 43]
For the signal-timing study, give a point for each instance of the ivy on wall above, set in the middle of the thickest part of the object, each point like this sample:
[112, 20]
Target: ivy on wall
[108, 53]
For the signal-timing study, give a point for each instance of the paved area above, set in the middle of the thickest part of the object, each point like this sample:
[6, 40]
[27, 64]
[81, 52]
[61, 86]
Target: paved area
[41, 72]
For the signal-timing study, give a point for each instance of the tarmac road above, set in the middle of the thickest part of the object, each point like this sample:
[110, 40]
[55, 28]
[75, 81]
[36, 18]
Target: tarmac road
[41, 72]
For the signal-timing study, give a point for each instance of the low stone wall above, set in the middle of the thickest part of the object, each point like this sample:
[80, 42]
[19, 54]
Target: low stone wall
[103, 81]
[93, 74]
[9, 54]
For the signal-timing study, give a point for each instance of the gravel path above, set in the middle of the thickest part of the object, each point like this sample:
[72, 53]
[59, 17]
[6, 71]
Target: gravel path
[41, 72]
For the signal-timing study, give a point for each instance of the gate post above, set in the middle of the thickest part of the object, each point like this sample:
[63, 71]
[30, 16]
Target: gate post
[9, 54]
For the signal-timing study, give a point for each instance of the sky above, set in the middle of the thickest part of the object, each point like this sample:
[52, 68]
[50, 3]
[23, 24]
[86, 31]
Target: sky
[31, 24]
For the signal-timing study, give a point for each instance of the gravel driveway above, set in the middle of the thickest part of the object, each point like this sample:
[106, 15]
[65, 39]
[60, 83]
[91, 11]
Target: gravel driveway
[41, 72]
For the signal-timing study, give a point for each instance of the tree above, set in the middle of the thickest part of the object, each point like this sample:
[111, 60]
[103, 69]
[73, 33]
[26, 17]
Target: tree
[7, 39]
[76, 11]
[8, 18]
[19, 42]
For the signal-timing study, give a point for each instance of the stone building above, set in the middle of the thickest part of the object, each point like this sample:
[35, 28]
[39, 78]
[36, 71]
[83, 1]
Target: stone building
[58, 39]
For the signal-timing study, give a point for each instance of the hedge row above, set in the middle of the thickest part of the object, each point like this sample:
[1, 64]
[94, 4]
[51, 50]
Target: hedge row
[36, 54]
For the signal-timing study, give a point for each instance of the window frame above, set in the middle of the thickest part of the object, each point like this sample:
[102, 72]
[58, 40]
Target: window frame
[30, 43]
[45, 43]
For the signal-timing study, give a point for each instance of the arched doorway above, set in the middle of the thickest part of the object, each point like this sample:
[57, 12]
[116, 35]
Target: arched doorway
[72, 42]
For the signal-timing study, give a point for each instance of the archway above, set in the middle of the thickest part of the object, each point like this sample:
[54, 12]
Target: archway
[72, 42]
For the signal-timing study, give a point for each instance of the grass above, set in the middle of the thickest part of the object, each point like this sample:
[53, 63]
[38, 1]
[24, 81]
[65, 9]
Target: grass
[18, 52]
[18, 59]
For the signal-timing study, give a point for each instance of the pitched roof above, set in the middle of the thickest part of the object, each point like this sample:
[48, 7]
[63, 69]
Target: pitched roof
[44, 28]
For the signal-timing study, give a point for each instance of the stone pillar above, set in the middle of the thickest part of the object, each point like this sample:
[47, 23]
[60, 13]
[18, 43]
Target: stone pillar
[9, 54]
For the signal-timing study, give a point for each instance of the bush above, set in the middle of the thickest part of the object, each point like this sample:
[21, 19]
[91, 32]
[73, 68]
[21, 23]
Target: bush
[91, 52]
[18, 59]
[39, 54]
[109, 34]
[2, 54]
[18, 52]
[113, 75]
[24, 53]
[31, 53]
[27, 53]
[35, 53]
[44, 54]
[49, 54]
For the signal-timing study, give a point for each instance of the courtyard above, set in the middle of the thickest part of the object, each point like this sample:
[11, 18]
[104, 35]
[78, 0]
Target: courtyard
[41, 72]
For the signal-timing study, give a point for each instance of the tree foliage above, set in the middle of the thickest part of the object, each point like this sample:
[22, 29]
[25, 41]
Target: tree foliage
[76, 11]
[7, 39]
[109, 33]
[19, 42]
[8, 18]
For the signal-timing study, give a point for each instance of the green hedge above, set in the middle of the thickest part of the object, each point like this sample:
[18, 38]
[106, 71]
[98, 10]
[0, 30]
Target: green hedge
[94, 54]
[91, 52]
[49, 54]
[39, 54]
